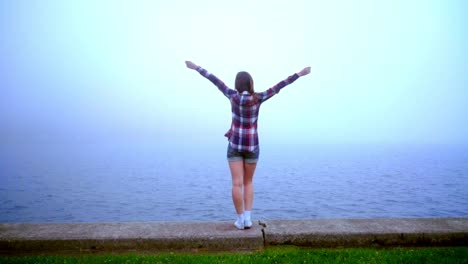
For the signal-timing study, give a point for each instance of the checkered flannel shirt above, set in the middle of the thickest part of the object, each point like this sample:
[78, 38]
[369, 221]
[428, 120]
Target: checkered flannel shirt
[245, 107]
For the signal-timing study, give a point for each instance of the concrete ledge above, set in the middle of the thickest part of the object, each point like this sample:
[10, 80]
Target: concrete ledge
[72, 238]
[368, 232]
[126, 237]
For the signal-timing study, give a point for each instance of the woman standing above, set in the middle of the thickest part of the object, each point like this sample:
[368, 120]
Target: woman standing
[243, 148]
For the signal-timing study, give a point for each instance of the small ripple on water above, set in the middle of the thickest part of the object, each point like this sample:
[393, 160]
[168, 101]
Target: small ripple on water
[18, 207]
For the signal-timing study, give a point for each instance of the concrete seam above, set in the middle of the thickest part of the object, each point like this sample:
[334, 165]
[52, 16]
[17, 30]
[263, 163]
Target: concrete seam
[263, 235]
[263, 224]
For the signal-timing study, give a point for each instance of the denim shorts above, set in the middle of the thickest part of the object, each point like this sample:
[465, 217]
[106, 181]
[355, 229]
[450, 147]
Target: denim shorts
[247, 156]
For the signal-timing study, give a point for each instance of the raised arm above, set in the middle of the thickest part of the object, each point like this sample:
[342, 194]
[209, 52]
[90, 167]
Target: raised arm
[263, 96]
[221, 86]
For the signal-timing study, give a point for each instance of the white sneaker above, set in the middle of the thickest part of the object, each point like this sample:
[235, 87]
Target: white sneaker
[247, 223]
[239, 224]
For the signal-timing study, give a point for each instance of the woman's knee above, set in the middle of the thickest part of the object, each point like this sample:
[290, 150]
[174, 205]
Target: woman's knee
[237, 184]
[247, 182]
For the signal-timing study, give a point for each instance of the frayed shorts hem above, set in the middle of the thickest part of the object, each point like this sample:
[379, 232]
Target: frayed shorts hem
[246, 156]
[242, 159]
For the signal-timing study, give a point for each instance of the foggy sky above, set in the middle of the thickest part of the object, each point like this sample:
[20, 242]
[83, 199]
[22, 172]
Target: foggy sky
[95, 71]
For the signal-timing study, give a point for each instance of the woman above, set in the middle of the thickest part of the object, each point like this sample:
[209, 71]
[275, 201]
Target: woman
[243, 148]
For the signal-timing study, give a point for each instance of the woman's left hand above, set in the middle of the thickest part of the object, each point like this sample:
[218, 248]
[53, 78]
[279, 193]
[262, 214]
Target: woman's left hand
[191, 65]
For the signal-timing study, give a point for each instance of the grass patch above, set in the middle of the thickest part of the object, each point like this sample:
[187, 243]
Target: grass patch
[272, 255]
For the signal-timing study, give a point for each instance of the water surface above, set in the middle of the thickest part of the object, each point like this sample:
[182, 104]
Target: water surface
[145, 182]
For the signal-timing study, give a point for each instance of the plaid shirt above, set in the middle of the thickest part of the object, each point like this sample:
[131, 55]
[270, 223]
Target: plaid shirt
[243, 134]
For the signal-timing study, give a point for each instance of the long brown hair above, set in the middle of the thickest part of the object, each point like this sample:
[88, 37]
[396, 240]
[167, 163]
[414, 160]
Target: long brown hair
[244, 82]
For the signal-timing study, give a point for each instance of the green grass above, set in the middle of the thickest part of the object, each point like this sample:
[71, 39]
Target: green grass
[272, 255]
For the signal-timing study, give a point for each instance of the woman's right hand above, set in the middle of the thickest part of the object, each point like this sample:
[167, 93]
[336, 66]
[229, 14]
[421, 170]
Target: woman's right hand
[304, 71]
[191, 65]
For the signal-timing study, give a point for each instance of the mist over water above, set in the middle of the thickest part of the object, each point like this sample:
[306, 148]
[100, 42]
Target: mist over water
[87, 72]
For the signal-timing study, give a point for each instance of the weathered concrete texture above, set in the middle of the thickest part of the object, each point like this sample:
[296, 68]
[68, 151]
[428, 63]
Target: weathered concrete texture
[368, 232]
[223, 236]
[126, 237]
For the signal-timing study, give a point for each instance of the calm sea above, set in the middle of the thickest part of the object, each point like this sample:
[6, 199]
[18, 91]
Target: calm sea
[144, 182]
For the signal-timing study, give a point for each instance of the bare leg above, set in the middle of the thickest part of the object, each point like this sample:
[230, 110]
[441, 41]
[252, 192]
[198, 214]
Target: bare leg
[249, 169]
[237, 173]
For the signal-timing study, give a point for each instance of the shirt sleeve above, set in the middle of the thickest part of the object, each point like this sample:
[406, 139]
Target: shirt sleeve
[221, 86]
[263, 96]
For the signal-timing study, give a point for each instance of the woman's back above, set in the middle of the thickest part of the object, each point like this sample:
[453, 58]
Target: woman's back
[245, 107]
